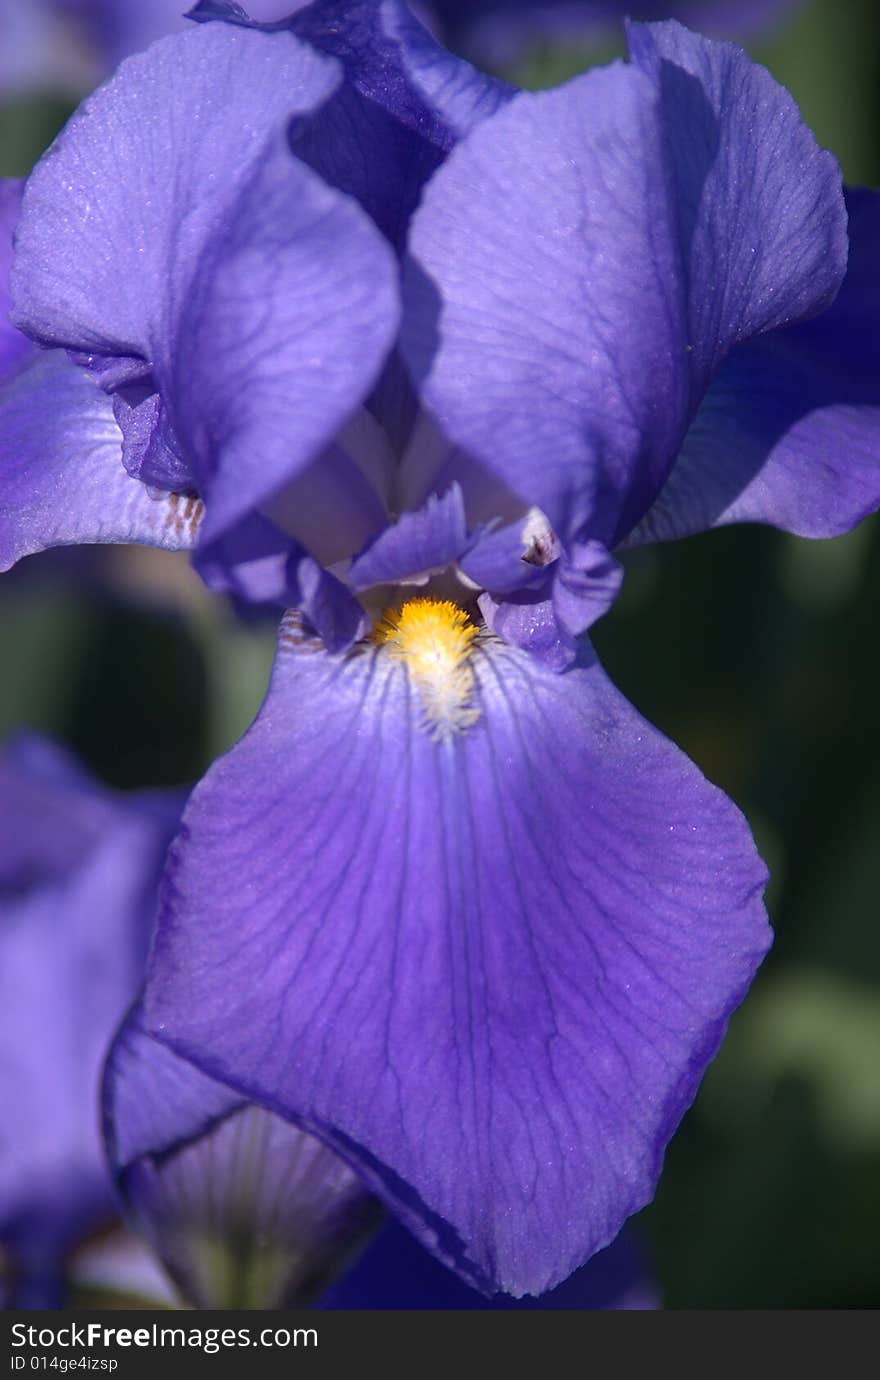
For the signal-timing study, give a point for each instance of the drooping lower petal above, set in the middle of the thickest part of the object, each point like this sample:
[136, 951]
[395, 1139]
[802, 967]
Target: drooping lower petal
[477, 925]
[62, 481]
[789, 432]
[386, 129]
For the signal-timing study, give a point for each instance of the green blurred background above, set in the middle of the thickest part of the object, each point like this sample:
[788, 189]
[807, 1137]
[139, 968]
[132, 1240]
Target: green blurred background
[756, 652]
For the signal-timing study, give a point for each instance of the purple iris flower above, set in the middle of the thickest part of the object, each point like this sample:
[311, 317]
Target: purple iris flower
[79, 867]
[451, 905]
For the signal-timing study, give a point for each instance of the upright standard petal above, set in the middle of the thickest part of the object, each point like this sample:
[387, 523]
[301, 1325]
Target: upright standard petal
[477, 925]
[586, 258]
[291, 314]
[403, 101]
[376, 139]
[789, 432]
[398, 110]
[244, 1209]
[116, 212]
[461, 95]
[170, 233]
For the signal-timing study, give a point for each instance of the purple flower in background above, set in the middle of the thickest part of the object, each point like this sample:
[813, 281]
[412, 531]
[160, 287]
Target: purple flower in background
[451, 905]
[74, 44]
[497, 31]
[79, 868]
[39, 51]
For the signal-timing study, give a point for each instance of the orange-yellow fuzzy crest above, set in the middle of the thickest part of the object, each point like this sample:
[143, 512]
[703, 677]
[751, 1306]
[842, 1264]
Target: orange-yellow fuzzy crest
[434, 640]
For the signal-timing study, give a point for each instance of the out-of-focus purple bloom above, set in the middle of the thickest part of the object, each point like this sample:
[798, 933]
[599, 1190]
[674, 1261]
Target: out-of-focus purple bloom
[119, 1263]
[497, 31]
[79, 869]
[39, 50]
[451, 905]
[71, 45]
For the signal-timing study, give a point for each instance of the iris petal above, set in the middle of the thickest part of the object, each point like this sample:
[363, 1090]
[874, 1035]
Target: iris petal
[106, 183]
[591, 254]
[387, 128]
[459, 93]
[397, 113]
[489, 968]
[171, 229]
